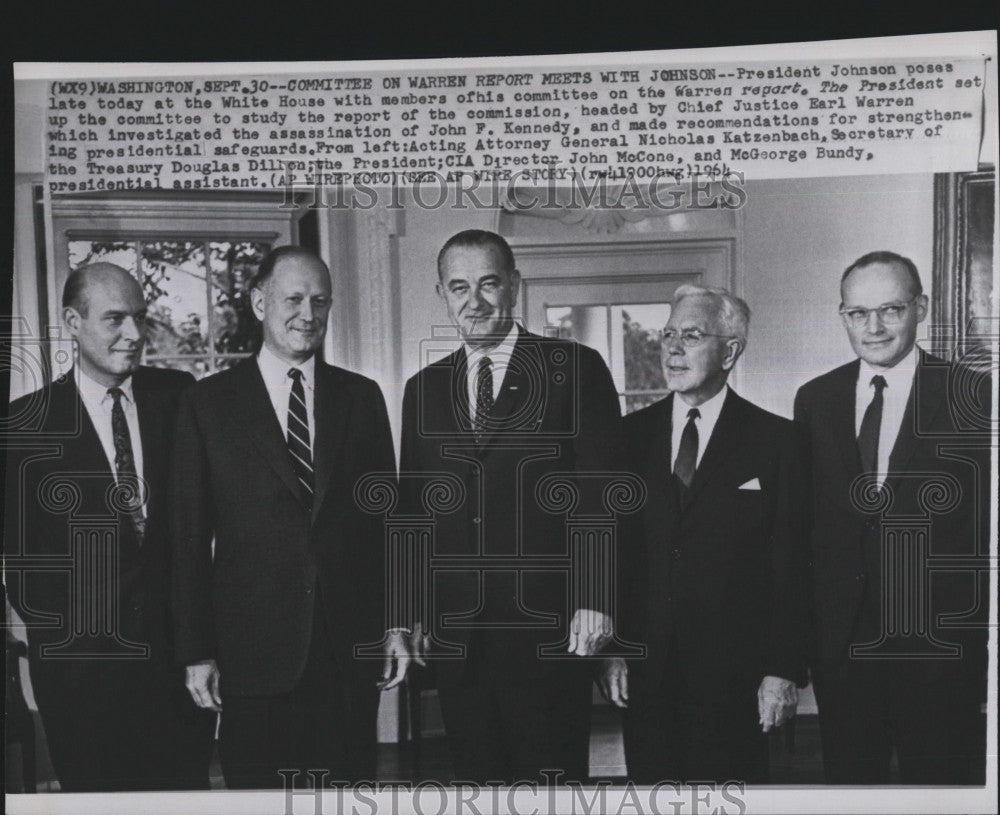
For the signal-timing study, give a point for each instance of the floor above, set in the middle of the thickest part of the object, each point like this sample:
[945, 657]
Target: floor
[799, 763]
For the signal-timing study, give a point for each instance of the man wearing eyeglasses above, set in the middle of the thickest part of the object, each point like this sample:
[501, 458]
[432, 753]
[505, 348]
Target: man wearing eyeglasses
[715, 569]
[900, 483]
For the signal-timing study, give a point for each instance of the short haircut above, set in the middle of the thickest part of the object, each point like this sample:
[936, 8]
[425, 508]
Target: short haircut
[72, 296]
[478, 239]
[886, 257]
[279, 253]
[734, 313]
[75, 288]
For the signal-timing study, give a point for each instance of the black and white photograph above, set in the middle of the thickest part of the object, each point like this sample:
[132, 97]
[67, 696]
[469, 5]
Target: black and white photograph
[562, 433]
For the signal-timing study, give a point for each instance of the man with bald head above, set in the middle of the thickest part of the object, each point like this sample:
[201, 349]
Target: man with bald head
[278, 574]
[900, 493]
[111, 698]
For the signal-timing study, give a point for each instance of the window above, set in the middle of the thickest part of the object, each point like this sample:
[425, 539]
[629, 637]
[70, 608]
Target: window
[194, 254]
[197, 292]
[628, 337]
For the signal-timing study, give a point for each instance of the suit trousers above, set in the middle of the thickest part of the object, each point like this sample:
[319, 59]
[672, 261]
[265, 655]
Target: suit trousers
[127, 726]
[929, 714]
[509, 716]
[325, 723]
[672, 732]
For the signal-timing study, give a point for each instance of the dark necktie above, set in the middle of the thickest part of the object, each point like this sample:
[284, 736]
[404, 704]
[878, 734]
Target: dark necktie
[687, 450]
[125, 463]
[871, 424]
[298, 435]
[484, 397]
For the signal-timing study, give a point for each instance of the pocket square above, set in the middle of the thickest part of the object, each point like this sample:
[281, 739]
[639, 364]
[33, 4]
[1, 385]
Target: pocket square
[752, 484]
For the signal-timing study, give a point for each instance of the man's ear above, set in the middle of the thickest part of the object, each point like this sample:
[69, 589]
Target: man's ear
[515, 286]
[71, 319]
[734, 348]
[921, 308]
[257, 303]
[440, 290]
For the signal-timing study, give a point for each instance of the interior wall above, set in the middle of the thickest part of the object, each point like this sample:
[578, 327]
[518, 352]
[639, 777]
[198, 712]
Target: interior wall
[798, 237]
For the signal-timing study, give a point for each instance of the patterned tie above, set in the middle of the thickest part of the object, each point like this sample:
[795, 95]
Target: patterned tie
[125, 463]
[687, 451]
[298, 435]
[484, 397]
[871, 425]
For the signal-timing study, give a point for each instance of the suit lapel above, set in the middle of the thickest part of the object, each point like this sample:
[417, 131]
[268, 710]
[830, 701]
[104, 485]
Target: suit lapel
[150, 412]
[654, 468]
[514, 390]
[929, 386]
[331, 409]
[81, 446]
[721, 444]
[841, 420]
[252, 410]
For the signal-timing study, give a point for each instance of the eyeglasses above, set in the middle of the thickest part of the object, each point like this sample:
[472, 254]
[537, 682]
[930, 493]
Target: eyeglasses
[690, 337]
[888, 314]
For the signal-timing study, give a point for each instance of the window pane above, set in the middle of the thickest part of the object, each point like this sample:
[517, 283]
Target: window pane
[120, 253]
[585, 324]
[234, 265]
[173, 282]
[641, 325]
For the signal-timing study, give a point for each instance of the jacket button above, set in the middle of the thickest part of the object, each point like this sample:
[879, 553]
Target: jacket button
[675, 552]
[476, 520]
[859, 576]
[309, 590]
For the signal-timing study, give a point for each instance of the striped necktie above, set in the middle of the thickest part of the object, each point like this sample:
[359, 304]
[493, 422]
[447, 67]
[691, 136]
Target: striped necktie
[298, 435]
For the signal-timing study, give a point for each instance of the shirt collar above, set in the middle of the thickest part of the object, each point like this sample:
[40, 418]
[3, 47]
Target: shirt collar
[709, 409]
[275, 370]
[94, 392]
[502, 350]
[898, 377]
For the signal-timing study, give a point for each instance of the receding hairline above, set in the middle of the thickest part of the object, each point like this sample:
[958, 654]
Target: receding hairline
[482, 240]
[885, 258]
[80, 280]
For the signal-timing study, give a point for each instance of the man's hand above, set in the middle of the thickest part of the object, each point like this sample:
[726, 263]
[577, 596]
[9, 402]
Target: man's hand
[589, 632]
[777, 699]
[397, 659]
[612, 681]
[420, 643]
[202, 682]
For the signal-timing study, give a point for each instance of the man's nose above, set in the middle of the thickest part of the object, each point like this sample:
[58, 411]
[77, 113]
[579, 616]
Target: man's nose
[873, 322]
[674, 345]
[306, 312]
[131, 329]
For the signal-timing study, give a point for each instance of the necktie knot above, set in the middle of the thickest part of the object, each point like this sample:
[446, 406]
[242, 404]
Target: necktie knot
[879, 382]
[295, 374]
[694, 413]
[116, 394]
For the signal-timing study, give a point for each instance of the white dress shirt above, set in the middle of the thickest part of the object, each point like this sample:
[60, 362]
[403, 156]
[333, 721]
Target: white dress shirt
[898, 384]
[279, 388]
[499, 355]
[709, 411]
[98, 404]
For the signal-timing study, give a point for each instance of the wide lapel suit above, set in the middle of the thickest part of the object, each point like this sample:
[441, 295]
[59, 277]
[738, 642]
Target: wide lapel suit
[930, 516]
[165, 741]
[508, 712]
[715, 579]
[250, 605]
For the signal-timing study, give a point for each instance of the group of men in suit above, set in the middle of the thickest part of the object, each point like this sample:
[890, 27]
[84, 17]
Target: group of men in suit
[252, 576]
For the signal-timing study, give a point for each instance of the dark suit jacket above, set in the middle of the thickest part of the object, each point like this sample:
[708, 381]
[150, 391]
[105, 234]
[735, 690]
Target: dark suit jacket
[557, 412]
[716, 583]
[60, 444]
[250, 605]
[936, 437]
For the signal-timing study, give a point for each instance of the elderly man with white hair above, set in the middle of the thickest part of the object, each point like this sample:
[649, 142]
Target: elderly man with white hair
[715, 567]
